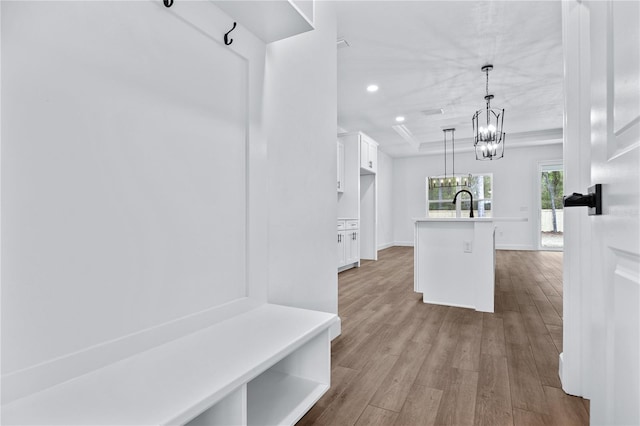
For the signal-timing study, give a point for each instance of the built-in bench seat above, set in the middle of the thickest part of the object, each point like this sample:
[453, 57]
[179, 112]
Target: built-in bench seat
[266, 366]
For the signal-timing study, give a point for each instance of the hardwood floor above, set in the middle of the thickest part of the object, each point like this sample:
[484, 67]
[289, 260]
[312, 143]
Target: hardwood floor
[402, 362]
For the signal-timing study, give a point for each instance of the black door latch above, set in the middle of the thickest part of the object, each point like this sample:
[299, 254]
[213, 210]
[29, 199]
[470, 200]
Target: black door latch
[593, 200]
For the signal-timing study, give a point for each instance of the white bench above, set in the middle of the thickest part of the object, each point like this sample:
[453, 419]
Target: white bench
[267, 366]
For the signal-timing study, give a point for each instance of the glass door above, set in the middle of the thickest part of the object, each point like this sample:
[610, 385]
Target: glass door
[551, 208]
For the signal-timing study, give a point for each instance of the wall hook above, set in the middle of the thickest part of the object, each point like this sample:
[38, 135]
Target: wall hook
[228, 40]
[168, 3]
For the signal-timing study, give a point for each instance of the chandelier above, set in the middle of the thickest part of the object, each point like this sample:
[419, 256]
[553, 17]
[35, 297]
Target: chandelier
[488, 137]
[446, 180]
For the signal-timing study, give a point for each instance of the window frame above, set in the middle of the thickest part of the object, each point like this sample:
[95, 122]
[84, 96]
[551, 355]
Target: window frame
[458, 210]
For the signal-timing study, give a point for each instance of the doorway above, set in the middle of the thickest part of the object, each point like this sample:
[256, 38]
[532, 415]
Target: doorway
[368, 217]
[551, 212]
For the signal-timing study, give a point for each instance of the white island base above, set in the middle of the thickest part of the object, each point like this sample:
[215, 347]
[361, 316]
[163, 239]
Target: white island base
[454, 262]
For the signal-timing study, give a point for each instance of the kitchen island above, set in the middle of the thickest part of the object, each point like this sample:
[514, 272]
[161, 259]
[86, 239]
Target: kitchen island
[454, 261]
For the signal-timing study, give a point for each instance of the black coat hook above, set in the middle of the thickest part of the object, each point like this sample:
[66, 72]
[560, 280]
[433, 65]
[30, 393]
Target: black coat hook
[168, 3]
[228, 40]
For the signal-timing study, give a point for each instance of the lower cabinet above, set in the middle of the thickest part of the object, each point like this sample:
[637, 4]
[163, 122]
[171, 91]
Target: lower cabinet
[342, 251]
[352, 247]
[348, 244]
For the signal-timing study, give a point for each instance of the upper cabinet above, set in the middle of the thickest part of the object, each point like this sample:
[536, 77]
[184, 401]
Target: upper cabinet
[271, 20]
[340, 167]
[368, 155]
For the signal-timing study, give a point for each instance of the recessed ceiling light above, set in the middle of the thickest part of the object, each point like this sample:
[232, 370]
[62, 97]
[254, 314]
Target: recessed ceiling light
[399, 119]
[372, 88]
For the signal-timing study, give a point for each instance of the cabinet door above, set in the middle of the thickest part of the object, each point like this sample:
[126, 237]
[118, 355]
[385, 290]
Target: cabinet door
[373, 157]
[353, 246]
[340, 167]
[364, 153]
[342, 252]
[368, 155]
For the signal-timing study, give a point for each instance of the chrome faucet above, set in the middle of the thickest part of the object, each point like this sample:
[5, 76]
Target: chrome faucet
[470, 204]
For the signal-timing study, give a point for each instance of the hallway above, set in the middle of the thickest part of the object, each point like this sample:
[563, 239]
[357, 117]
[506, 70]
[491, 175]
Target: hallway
[400, 361]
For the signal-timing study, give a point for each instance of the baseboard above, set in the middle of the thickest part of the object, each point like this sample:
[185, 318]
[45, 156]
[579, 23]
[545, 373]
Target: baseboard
[457, 305]
[521, 247]
[349, 266]
[560, 362]
[385, 246]
[336, 329]
[403, 243]
[18, 384]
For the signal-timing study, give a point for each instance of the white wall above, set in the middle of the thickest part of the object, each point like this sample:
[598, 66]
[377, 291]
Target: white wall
[385, 200]
[514, 191]
[129, 159]
[349, 199]
[124, 178]
[301, 109]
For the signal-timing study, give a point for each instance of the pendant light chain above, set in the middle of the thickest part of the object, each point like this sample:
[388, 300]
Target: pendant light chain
[489, 136]
[487, 97]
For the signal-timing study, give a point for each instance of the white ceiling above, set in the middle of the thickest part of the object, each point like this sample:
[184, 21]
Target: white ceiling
[426, 55]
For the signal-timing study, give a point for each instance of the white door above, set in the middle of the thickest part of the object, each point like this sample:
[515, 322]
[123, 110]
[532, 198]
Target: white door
[614, 324]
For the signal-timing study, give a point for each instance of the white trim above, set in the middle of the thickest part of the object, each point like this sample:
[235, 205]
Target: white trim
[1, 202]
[385, 246]
[551, 249]
[336, 329]
[560, 364]
[449, 304]
[349, 266]
[524, 247]
[577, 177]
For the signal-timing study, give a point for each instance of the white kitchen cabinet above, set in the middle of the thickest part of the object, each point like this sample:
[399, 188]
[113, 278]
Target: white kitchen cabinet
[348, 244]
[368, 155]
[352, 247]
[340, 167]
[342, 242]
[342, 251]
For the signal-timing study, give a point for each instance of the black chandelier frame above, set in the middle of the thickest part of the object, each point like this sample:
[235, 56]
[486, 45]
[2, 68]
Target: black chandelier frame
[488, 135]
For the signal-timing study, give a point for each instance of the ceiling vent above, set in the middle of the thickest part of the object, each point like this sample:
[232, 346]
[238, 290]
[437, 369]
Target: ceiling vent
[342, 43]
[433, 111]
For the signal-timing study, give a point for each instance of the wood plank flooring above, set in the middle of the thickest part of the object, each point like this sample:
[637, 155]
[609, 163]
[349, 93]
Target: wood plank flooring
[402, 362]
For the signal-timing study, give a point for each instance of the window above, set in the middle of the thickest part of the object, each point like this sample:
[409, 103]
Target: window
[439, 200]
